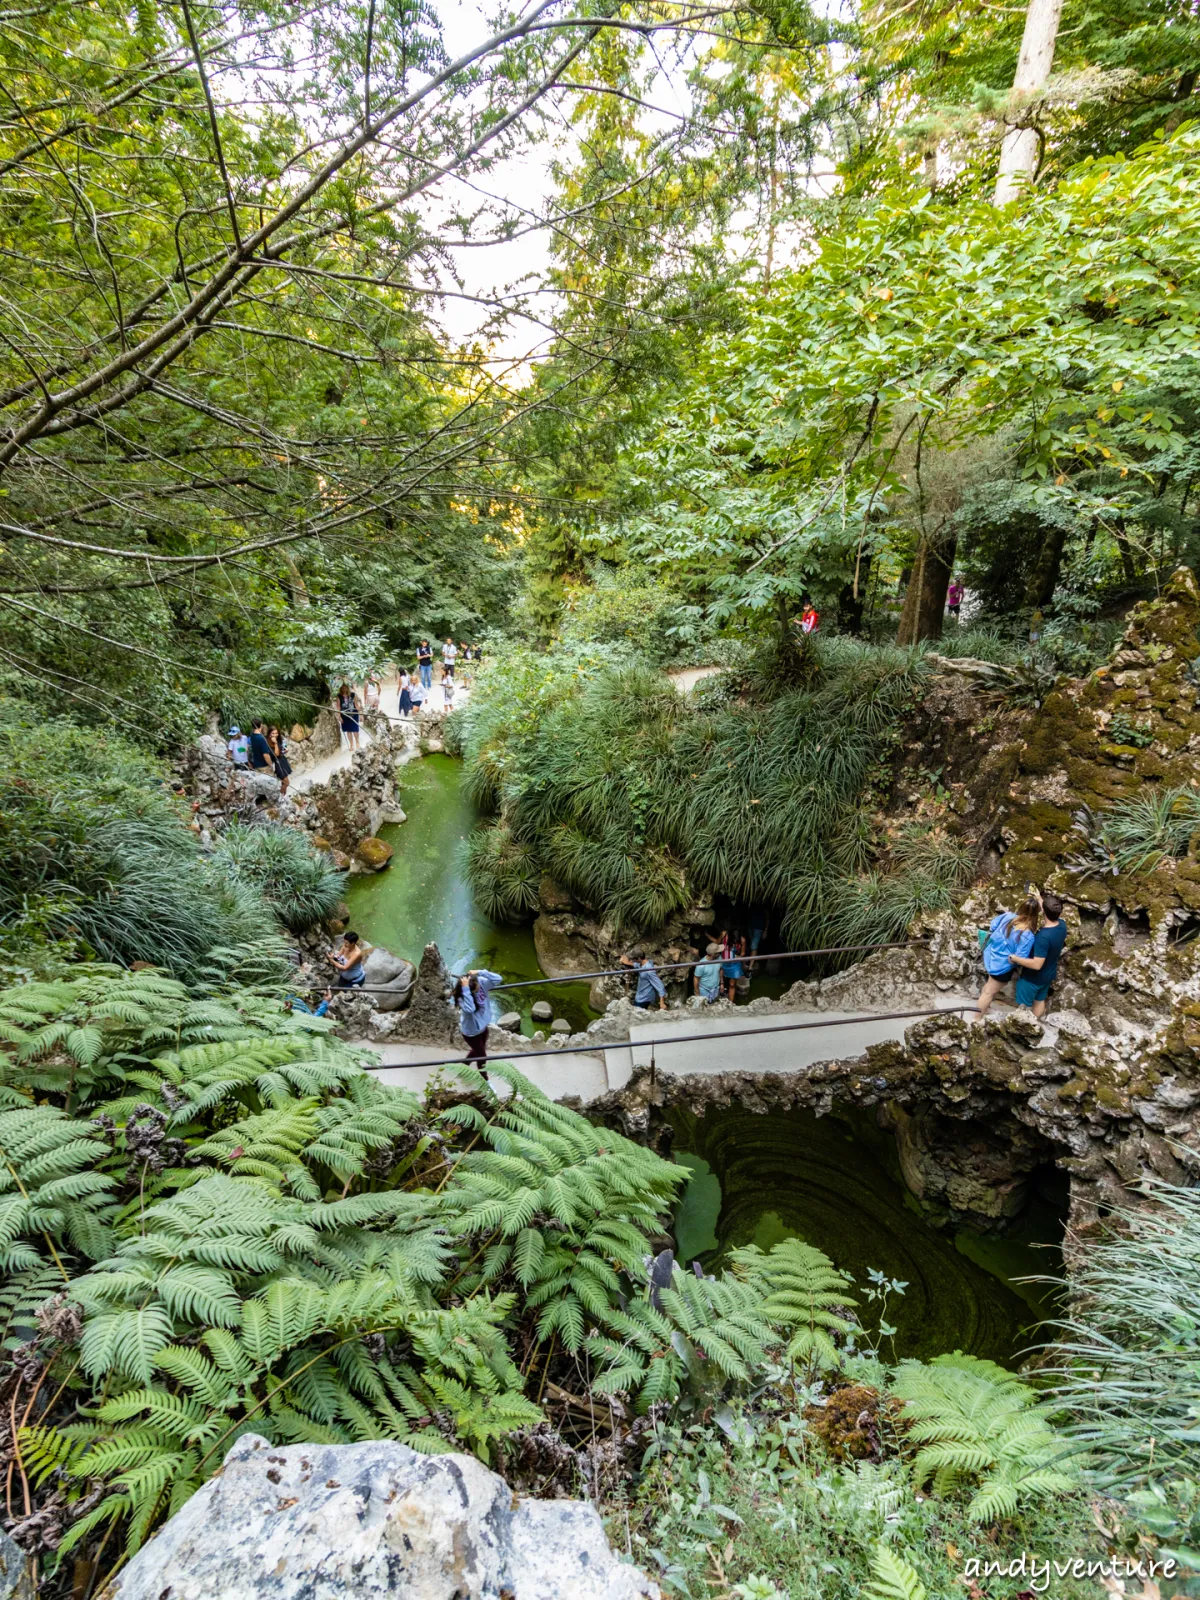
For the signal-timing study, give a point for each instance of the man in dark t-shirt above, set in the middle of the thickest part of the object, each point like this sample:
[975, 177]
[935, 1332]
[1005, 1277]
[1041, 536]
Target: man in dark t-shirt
[1040, 966]
[260, 750]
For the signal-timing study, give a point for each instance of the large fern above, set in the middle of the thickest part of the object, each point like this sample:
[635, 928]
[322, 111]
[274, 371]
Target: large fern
[52, 1192]
[802, 1288]
[980, 1427]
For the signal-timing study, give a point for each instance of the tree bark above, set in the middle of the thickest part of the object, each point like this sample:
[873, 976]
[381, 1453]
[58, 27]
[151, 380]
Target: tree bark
[851, 605]
[1043, 579]
[925, 599]
[1018, 153]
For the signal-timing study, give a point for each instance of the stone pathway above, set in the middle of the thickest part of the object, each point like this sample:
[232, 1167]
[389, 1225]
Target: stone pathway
[389, 704]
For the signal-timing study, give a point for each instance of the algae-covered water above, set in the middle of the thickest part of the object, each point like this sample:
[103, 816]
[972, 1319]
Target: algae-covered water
[834, 1182]
[424, 896]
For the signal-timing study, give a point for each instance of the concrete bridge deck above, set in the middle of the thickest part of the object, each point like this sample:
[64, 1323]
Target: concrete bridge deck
[762, 1044]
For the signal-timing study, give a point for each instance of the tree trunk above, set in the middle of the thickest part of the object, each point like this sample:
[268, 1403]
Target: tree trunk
[1043, 579]
[1018, 153]
[851, 605]
[925, 600]
[1127, 566]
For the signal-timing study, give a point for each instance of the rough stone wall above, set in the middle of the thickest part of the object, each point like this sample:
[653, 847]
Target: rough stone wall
[221, 793]
[359, 799]
[324, 740]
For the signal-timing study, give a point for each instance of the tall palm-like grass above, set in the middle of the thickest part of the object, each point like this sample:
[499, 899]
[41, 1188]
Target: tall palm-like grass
[137, 891]
[279, 866]
[637, 797]
[1132, 1340]
[503, 873]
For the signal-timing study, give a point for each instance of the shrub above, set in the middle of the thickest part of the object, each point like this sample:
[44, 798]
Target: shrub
[299, 884]
[637, 797]
[503, 873]
[95, 857]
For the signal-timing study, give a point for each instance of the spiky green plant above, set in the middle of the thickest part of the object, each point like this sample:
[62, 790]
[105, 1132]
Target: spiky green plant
[1132, 1341]
[635, 796]
[299, 884]
[503, 873]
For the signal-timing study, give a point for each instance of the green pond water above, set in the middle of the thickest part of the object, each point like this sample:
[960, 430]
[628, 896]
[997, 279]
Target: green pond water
[424, 896]
[834, 1181]
[756, 1179]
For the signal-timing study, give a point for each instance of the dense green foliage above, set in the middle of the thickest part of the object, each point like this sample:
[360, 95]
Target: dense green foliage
[1133, 1380]
[96, 859]
[638, 798]
[238, 1227]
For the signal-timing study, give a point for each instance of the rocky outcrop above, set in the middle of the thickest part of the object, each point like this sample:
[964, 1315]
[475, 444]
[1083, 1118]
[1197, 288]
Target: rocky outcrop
[369, 1521]
[372, 855]
[431, 1016]
[16, 1581]
[360, 798]
[390, 980]
[221, 793]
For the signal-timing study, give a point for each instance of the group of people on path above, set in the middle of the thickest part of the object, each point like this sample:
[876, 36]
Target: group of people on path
[721, 974]
[263, 749]
[417, 686]
[1026, 944]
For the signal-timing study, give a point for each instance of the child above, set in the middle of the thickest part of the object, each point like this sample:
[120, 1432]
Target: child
[238, 747]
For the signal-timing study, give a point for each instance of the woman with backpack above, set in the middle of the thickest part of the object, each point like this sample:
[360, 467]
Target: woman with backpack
[1010, 934]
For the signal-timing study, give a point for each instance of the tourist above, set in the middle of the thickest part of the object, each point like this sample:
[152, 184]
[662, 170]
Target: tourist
[294, 1003]
[473, 999]
[1040, 967]
[352, 974]
[405, 694]
[449, 654]
[349, 707]
[418, 693]
[954, 597]
[261, 755]
[283, 767]
[371, 692]
[425, 663]
[237, 747]
[733, 948]
[1010, 934]
[706, 976]
[448, 692]
[810, 618]
[649, 983]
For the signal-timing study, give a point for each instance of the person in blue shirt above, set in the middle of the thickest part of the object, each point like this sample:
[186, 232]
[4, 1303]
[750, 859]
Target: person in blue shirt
[1010, 934]
[649, 983]
[473, 997]
[294, 1003]
[262, 757]
[1040, 967]
[706, 976]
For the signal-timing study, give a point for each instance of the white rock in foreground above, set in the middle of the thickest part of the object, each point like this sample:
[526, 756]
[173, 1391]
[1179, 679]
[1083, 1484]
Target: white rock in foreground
[364, 1521]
